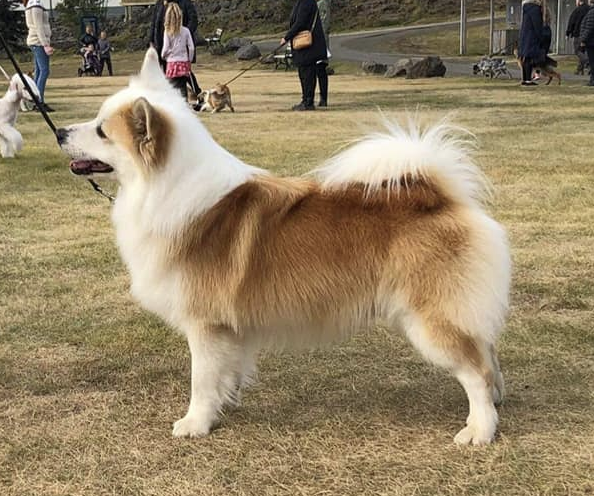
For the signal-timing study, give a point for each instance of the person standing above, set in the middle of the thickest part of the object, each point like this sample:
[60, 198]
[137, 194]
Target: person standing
[104, 53]
[322, 65]
[587, 39]
[305, 17]
[89, 37]
[38, 40]
[530, 44]
[189, 20]
[573, 31]
[178, 49]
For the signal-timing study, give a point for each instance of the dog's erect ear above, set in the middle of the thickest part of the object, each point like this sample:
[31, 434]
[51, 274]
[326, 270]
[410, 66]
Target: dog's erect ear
[151, 132]
[151, 73]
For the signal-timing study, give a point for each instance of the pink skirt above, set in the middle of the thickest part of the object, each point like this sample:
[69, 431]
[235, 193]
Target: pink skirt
[177, 69]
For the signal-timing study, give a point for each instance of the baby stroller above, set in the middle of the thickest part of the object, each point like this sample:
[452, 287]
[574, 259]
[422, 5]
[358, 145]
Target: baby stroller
[90, 65]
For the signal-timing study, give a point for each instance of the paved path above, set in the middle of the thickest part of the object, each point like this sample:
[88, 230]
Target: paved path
[363, 45]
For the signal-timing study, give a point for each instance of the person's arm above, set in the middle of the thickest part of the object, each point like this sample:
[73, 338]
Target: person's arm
[190, 45]
[587, 26]
[166, 47]
[537, 24]
[571, 24]
[303, 21]
[192, 19]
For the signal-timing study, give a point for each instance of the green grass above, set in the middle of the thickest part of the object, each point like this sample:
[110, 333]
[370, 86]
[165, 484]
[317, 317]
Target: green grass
[90, 384]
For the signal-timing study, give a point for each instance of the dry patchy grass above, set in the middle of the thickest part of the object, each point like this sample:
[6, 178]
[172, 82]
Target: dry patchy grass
[90, 384]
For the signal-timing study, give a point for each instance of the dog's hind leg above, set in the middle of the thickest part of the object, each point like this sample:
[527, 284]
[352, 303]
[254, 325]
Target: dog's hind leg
[472, 361]
[217, 362]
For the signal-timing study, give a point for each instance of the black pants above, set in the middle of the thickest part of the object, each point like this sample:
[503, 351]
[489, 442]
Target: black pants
[322, 80]
[180, 84]
[590, 52]
[307, 77]
[104, 61]
[527, 69]
[582, 57]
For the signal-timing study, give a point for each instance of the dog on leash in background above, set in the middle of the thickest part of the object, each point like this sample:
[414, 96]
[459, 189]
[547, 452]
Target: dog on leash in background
[11, 141]
[392, 230]
[215, 99]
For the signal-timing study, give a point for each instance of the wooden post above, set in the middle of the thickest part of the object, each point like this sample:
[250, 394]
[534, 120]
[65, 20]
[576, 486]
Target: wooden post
[491, 25]
[463, 30]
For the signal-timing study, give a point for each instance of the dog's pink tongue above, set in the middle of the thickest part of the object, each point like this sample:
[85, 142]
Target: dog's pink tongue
[82, 167]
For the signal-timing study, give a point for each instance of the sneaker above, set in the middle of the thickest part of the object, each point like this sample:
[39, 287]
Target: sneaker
[323, 103]
[528, 83]
[301, 106]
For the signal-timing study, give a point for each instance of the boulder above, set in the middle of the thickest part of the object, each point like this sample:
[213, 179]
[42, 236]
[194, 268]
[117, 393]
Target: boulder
[398, 69]
[371, 67]
[248, 52]
[425, 68]
[235, 44]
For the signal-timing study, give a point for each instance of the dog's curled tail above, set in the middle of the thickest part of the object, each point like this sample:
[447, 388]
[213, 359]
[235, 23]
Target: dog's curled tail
[440, 154]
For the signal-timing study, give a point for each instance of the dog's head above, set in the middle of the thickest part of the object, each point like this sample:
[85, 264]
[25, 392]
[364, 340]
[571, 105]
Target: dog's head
[134, 132]
[17, 85]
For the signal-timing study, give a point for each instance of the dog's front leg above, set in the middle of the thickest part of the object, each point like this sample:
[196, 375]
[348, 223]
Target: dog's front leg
[216, 363]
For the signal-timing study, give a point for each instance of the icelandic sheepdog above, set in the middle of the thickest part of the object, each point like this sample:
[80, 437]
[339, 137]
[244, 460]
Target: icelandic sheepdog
[391, 230]
[11, 141]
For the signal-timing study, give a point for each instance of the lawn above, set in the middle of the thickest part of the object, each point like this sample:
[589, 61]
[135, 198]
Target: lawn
[90, 384]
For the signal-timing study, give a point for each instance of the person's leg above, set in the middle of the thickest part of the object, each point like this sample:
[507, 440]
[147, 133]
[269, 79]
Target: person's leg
[101, 64]
[180, 84]
[41, 63]
[323, 82]
[527, 70]
[302, 75]
[109, 67]
[309, 85]
[579, 54]
[590, 52]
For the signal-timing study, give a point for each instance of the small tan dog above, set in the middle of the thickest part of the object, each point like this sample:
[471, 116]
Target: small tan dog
[215, 99]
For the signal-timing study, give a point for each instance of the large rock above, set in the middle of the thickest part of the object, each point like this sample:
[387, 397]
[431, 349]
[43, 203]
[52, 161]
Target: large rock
[398, 69]
[425, 68]
[235, 44]
[372, 67]
[248, 52]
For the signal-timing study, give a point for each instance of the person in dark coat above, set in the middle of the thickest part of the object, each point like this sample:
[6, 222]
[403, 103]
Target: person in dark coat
[531, 43]
[587, 40]
[573, 31]
[304, 16]
[189, 20]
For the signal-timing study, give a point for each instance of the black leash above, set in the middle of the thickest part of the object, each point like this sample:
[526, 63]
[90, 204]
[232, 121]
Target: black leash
[259, 61]
[41, 108]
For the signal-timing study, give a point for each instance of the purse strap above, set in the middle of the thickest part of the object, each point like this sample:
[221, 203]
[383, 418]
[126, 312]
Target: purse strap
[315, 20]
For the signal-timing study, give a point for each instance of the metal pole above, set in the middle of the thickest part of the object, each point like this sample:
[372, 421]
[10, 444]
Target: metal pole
[462, 27]
[491, 24]
[559, 32]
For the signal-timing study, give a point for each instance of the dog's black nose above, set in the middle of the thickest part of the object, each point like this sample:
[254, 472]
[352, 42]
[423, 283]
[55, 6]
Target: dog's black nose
[61, 135]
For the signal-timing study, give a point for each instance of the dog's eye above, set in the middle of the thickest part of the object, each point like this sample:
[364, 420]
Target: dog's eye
[100, 133]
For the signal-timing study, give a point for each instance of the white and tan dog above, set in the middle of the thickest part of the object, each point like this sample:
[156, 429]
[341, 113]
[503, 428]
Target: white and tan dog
[11, 141]
[391, 230]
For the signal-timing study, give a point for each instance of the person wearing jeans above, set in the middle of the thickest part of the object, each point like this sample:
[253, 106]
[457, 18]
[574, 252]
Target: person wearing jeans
[38, 39]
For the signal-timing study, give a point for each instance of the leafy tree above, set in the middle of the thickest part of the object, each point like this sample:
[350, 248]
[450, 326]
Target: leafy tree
[12, 24]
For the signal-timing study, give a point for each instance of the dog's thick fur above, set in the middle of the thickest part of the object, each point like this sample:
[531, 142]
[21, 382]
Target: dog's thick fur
[11, 141]
[216, 99]
[390, 230]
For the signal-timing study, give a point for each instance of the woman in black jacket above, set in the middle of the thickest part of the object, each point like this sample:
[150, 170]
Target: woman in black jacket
[530, 45]
[587, 40]
[305, 17]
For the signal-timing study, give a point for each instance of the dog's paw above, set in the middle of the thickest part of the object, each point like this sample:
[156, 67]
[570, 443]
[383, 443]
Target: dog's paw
[472, 435]
[192, 426]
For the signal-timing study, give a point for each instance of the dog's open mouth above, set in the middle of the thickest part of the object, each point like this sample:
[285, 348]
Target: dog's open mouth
[87, 166]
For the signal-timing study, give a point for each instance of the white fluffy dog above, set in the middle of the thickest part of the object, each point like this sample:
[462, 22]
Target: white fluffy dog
[11, 141]
[393, 230]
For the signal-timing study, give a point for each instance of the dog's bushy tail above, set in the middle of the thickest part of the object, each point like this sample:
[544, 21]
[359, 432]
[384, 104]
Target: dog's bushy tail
[440, 154]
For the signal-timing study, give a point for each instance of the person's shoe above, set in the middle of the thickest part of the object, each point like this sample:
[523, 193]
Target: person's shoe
[301, 106]
[528, 83]
[323, 103]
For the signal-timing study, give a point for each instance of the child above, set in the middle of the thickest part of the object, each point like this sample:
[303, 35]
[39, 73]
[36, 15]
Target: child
[104, 53]
[178, 48]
